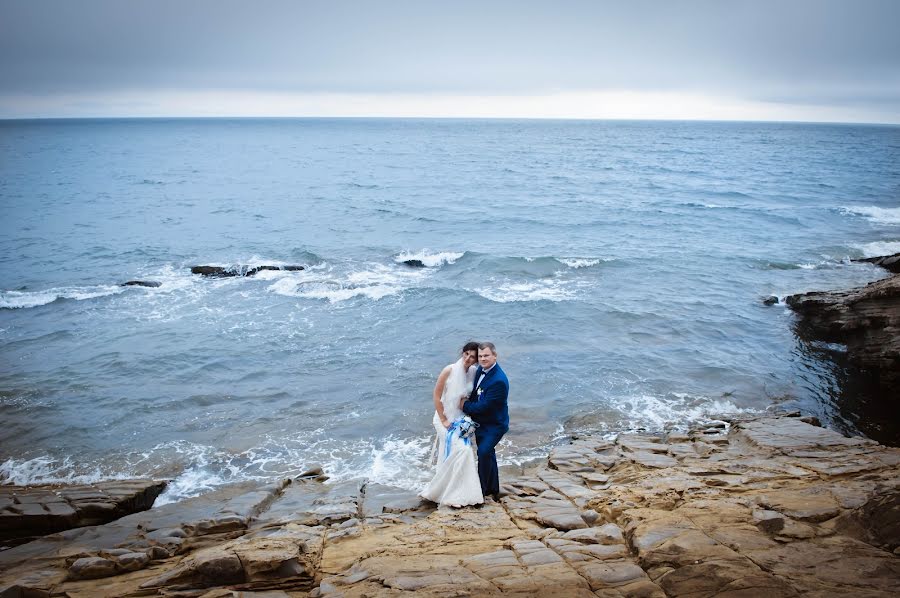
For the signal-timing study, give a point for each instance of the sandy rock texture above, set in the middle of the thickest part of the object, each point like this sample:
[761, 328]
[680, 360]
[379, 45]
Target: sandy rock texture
[766, 507]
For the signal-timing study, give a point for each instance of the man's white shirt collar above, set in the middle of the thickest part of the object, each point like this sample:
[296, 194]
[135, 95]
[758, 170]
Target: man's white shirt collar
[484, 373]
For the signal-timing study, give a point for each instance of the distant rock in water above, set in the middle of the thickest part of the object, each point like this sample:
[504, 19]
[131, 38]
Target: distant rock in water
[226, 272]
[891, 263]
[414, 263]
[771, 300]
[141, 283]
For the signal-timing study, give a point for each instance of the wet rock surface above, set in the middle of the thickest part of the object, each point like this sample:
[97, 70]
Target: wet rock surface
[866, 319]
[27, 512]
[231, 271]
[774, 507]
[891, 263]
[141, 283]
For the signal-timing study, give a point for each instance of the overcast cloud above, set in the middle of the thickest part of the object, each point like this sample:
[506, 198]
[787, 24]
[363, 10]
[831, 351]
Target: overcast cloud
[56, 56]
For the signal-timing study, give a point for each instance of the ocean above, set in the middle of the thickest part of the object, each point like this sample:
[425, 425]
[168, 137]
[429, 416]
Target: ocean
[620, 268]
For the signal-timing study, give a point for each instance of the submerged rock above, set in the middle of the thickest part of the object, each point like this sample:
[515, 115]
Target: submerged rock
[141, 283]
[771, 300]
[414, 263]
[237, 271]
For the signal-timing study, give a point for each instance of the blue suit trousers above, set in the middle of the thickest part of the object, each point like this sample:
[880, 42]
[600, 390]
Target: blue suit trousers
[487, 437]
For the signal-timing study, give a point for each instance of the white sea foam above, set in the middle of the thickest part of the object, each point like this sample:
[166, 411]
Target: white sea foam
[545, 290]
[879, 248]
[170, 279]
[391, 461]
[579, 262]
[429, 259]
[677, 410]
[193, 482]
[271, 274]
[26, 299]
[206, 469]
[876, 214]
[47, 470]
[372, 280]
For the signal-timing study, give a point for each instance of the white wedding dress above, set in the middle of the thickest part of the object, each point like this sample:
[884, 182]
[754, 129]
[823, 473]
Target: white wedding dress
[455, 481]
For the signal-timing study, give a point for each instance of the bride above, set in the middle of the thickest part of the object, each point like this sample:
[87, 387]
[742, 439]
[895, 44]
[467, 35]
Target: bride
[455, 481]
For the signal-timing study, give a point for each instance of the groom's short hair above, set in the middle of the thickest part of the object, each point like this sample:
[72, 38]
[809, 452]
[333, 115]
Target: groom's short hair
[488, 346]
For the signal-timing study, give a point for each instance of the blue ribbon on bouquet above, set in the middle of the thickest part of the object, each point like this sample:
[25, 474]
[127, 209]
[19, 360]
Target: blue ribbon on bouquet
[465, 426]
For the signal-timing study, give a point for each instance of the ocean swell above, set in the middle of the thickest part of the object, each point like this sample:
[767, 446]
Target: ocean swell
[28, 299]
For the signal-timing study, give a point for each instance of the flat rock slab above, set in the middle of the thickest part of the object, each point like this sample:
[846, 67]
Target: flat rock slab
[27, 512]
[379, 498]
[227, 509]
[790, 435]
[810, 504]
[656, 460]
[314, 503]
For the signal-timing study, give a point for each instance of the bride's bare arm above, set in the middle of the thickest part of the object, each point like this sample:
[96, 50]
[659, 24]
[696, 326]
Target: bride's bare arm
[438, 391]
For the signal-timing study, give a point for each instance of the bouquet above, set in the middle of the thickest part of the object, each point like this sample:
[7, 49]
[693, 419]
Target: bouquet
[466, 426]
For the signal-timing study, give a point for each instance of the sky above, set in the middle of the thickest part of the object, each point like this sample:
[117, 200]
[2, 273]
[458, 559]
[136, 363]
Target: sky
[794, 60]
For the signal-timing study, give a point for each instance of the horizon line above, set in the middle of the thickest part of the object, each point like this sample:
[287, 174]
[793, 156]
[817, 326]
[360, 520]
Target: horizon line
[448, 117]
[601, 105]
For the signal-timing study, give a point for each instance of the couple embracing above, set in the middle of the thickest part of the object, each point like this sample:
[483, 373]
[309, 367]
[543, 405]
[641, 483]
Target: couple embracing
[470, 402]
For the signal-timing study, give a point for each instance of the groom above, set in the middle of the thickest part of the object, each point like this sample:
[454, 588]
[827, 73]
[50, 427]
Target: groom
[487, 406]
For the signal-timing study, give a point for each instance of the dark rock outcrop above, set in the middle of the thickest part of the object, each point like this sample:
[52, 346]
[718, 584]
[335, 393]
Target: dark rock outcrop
[230, 271]
[414, 263]
[866, 320]
[141, 283]
[27, 512]
[891, 263]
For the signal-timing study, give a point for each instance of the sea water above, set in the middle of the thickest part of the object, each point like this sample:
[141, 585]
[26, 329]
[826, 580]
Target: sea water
[619, 267]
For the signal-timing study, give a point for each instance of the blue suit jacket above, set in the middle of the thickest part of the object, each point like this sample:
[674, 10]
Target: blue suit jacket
[490, 409]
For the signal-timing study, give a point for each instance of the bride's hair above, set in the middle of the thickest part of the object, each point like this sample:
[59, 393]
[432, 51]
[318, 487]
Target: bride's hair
[470, 346]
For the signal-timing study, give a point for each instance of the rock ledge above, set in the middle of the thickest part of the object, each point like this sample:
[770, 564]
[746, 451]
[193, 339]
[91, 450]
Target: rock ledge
[773, 506]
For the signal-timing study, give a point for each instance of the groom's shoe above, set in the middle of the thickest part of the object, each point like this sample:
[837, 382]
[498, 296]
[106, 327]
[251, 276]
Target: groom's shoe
[496, 497]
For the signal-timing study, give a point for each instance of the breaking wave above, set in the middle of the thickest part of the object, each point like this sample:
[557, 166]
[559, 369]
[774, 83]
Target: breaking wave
[876, 214]
[430, 260]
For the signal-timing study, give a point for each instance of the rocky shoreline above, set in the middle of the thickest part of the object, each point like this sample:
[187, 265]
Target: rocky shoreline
[866, 321]
[774, 506]
[743, 507]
